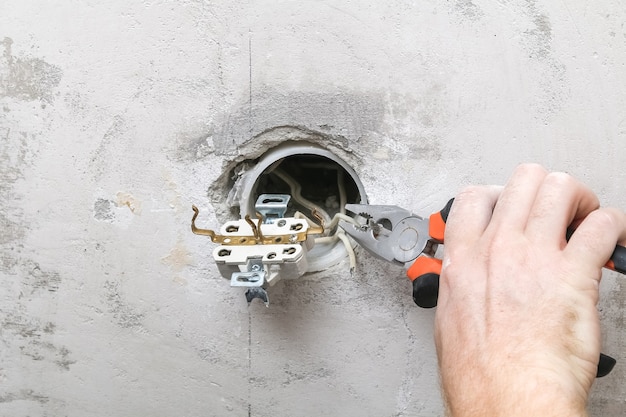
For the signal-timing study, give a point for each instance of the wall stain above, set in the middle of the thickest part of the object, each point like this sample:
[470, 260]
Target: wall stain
[344, 113]
[195, 148]
[306, 376]
[211, 355]
[179, 257]
[101, 157]
[535, 36]
[128, 200]
[552, 89]
[20, 330]
[124, 315]
[11, 230]
[15, 155]
[24, 395]
[102, 210]
[63, 360]
[539, 37]
[19, 324]
[38, 278]
[468, 9]
[172, 193]
[27, 78]
[31, 335]
[40, 350]
[50, 328]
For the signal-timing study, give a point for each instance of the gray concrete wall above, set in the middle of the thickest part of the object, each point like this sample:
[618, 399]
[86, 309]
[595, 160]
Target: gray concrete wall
[116, 116]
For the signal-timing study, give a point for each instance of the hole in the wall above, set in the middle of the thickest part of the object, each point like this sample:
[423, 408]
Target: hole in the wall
[314, 177]
[308, 178]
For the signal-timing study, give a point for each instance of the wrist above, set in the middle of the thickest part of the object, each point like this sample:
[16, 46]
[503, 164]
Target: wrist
[519, 394]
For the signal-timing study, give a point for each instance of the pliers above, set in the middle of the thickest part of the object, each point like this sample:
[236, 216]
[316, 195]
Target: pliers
[397, 235]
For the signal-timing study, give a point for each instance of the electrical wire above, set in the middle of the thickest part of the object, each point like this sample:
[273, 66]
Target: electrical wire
[346, 242]
[296, 194]
[329, 224]
[339, 234]
[341, 216]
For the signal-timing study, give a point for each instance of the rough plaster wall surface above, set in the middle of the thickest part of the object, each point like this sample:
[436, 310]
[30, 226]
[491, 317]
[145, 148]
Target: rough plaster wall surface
[116, 116]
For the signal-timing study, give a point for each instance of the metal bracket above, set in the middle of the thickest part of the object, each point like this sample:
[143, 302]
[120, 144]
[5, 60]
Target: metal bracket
[253, 277]
[259, 293]
[272, 206]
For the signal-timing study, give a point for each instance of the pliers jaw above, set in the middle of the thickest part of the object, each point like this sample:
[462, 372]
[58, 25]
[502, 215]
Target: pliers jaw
[390, 233]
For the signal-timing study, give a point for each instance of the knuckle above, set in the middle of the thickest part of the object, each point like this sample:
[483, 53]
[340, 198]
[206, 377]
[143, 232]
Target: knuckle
[530, 167]
[452, 269]
[472, 192]
[561, 179]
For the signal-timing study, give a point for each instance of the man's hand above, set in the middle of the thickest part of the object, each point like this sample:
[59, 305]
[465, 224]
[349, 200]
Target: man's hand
[517, 329]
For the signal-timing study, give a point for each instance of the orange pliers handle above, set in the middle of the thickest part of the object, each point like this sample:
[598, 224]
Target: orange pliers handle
[425, 271]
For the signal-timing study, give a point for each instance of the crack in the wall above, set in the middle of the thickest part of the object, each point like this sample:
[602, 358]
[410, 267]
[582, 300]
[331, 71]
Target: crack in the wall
[405, 391]
[249, 370]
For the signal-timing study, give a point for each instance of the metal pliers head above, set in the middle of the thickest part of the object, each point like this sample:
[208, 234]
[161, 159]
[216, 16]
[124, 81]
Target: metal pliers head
[390, 232]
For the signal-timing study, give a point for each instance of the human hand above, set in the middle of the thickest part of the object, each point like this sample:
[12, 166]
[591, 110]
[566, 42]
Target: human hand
[517, 329]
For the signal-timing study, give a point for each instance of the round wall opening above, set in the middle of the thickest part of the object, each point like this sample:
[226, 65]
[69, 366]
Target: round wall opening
[319, 183]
